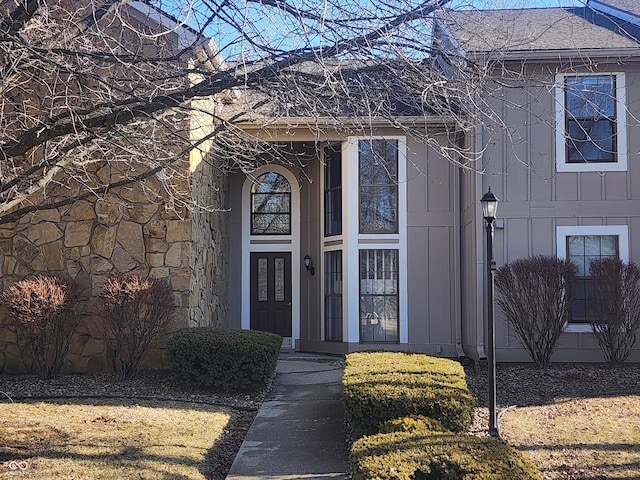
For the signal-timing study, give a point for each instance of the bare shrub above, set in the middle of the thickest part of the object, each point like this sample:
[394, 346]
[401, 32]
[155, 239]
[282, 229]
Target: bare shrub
[615, 308]
[534, 296]
[46, 314]
[136, 313]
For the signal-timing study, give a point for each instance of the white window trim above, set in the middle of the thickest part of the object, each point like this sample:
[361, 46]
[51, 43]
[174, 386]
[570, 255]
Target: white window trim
[276, 243]
[621, 128]
[621, 231]
[337, 244]
[354, 241]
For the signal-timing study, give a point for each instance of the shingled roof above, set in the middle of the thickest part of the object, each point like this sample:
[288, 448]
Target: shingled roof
[535, 29]
[341, 89]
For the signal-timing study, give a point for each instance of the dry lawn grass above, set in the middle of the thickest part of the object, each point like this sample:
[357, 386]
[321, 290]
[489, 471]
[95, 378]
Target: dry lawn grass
[576, 421]
[586, 438]
[108, 439]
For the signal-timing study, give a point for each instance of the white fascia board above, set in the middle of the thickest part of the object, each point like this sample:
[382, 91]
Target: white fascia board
[614, 12]
[186, 35]
[206, 48]
[448, 39]
[601, 54]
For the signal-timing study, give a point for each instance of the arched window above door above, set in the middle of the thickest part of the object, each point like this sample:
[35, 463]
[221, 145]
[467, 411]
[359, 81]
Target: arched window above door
[271, 205]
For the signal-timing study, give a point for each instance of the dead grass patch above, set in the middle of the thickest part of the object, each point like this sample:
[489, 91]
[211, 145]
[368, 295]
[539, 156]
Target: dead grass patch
[579, 438]
[108, 439]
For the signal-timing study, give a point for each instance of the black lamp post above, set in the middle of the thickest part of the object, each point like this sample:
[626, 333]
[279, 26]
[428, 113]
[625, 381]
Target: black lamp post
[489, 204]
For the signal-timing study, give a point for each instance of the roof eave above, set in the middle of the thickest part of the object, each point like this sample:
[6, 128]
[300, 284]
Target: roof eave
[603, 7]
[305, 122]
[607, 54]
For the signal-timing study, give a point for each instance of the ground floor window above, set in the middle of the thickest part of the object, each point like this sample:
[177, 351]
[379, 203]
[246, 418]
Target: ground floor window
[581, 245]
[581, 249]
[379, 313]
[333, 296]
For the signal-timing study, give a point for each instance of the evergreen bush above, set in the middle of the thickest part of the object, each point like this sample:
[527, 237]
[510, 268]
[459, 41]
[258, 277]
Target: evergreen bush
[423, 455]
[419, 423]
[381, 386]
[230, 360]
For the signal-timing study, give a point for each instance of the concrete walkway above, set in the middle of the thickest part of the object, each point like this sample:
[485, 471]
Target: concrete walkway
[298, 432]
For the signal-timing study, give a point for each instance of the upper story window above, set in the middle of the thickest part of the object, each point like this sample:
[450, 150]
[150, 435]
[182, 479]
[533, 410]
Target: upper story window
[332, 191]
[271, 205]
[590, 121]
[378, 173]
[591, 126]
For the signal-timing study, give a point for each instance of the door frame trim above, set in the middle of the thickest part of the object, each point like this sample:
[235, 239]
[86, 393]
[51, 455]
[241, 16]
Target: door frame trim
[276, 243]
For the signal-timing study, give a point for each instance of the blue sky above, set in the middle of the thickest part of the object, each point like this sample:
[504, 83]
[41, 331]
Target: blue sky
[268, 27]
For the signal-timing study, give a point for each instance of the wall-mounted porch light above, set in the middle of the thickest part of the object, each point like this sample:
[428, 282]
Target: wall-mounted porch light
[308, 264]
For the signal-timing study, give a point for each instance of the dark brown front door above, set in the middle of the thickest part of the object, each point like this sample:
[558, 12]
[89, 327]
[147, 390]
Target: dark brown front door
[271, 292]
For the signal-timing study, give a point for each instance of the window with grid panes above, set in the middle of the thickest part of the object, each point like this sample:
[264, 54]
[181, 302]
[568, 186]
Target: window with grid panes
[271, 205]
[333, 296]
[379, 312]
[581, 249]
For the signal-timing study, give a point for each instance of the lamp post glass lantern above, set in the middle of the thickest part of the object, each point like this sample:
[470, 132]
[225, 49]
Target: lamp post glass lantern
[489, 204]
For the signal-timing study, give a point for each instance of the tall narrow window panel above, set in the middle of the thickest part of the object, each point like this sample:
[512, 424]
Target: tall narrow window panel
[378, 171]
[333, 296]
[332, 191]
[581, 249]
[271, 205]
[379, 312]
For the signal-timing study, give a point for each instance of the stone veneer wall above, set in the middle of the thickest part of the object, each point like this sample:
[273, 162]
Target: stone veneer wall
[131, 230]
[209, 255]
[123, 233]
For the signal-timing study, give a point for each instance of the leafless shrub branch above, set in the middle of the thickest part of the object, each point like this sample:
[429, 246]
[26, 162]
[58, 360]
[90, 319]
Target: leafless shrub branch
[533, 293]
[615, 310]
[46, 314]
[135, 314]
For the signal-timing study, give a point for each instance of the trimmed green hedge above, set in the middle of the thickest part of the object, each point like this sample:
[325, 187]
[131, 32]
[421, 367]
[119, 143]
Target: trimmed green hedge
[412, 424]
[438, 456]
[381, 386]
[231, 360]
